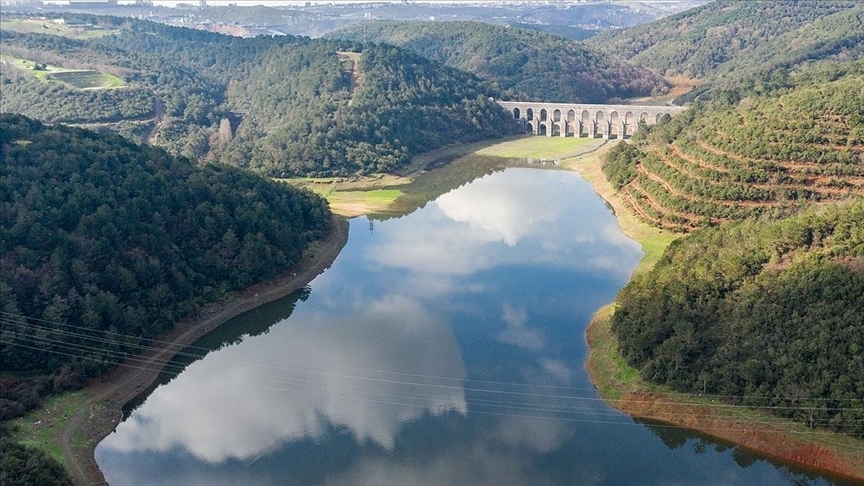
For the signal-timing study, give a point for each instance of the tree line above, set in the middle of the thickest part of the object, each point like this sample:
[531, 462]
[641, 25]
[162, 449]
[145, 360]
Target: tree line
[281, 105]
[765, 313]
[102, 237]
[524, 63]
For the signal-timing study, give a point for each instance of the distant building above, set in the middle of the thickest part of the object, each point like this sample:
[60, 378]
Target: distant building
[92, 3]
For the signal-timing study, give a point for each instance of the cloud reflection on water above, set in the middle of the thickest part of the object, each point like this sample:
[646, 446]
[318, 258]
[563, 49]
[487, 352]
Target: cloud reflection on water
[505, 207]
[516, 332]
[361, 358]
[310, 374]
[508, 218]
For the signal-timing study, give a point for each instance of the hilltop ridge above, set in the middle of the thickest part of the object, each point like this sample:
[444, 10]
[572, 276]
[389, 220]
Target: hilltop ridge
[725, 43]
[279, 105]
[525, 63]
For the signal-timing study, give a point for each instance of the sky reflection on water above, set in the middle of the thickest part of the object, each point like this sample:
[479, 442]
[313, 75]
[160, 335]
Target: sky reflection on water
[443, 347]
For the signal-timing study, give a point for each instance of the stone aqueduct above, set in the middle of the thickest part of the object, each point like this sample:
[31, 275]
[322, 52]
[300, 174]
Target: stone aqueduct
[583, 120]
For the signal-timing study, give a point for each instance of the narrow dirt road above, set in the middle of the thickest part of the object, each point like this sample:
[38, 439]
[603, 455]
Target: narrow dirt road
[102, 410]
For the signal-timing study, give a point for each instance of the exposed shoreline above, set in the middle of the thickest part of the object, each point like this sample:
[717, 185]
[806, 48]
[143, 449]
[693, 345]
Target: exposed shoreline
[106, 397]
[783, 440]
[102, 409]
[777, 438]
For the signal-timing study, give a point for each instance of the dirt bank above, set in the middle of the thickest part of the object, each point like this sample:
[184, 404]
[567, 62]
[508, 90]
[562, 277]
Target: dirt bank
[102, 410]
[622, 388]
[783, 440]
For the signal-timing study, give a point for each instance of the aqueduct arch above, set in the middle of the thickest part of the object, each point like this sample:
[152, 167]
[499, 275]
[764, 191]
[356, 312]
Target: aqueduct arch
[584, 120]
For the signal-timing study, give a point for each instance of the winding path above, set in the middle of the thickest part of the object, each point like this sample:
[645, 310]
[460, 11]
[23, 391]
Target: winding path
[102, 410]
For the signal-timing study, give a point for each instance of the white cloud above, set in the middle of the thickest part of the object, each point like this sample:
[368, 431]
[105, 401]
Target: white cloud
[516, 332]
[520, 216]
[556, 368]
[505, 206]
[371, 377]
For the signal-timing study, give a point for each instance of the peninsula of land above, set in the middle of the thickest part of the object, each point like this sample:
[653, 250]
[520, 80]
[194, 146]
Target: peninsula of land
[104, 398]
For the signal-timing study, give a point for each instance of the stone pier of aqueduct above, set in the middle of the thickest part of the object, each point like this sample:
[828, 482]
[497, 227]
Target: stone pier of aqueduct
[584, 120]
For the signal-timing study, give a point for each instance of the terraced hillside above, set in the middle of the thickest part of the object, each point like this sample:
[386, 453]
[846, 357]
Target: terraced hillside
[749, 154]
[87, 79]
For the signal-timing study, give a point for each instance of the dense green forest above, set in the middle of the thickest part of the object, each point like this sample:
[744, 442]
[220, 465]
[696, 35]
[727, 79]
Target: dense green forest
[22, 466]
[282, 105]
[726, 42]
[397, 105]
[763, 304]
[525, 63]
[106, 243]
[766, 313]
[568, 31]
[777, 142]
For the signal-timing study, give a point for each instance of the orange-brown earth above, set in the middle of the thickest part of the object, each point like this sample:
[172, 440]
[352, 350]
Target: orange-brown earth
[773, 437]
[624, 390]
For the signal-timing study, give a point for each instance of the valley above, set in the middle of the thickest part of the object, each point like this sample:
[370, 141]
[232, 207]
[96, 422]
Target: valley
[155, 174]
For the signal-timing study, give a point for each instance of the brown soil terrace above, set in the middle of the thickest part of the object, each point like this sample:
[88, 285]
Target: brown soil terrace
[657, 206]
[856, 179]
[691, 198]
[697, 162]
[772, 437]
[666, 160]
[635, 207]
[804, 176]
[97, 417]
[102, 410]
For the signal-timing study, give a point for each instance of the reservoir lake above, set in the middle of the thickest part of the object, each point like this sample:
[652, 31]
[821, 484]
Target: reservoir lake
[445, 345]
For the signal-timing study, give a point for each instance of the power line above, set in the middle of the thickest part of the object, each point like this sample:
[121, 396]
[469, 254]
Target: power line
[460, 381]
[78, 350]
[545, 414]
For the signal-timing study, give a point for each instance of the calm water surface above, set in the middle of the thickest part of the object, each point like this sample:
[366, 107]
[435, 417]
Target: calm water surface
[442, 347]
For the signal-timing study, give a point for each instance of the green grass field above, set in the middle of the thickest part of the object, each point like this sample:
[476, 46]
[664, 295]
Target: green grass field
[376, 197]
[75, 78]
[536, 147]
[86, 79]
[49, 27]
[39, 428]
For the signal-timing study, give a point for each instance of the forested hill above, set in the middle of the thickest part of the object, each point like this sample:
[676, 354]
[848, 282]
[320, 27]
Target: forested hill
[763, 303]
[357, 112]
[527, 64]
[768, 314]
[282, 105]
[778, 142]
[727, 41]
[105, 242]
